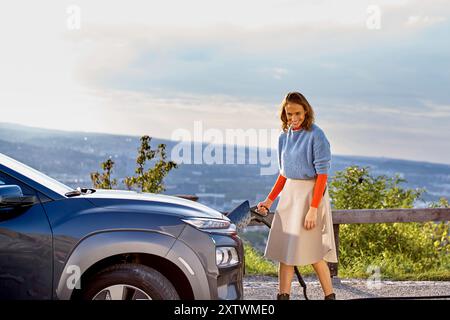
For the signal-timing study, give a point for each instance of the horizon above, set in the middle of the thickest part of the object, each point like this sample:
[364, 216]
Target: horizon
[205, 143]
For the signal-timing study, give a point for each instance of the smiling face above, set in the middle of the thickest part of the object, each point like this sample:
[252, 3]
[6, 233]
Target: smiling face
[295, 114]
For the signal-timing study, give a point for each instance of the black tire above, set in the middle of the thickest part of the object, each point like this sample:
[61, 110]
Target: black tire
[145, 278]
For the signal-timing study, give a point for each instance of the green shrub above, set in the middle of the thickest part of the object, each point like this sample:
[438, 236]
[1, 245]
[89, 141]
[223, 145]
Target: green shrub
[256, 264]
[398, 249]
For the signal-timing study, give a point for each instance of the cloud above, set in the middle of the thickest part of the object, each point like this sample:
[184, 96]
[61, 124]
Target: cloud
[321, 47]
[420, 21]
[151, 67]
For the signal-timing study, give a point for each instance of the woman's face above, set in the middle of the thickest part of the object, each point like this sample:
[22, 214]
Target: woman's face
[295, 114]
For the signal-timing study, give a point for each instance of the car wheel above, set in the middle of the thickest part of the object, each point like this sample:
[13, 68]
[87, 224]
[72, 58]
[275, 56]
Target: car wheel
[129, 282]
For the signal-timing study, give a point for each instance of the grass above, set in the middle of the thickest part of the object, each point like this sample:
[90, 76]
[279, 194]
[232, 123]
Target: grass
[256, 264]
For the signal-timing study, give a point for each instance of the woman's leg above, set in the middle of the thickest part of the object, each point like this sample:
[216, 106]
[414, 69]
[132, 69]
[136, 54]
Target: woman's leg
[323, 273]
[285, 274]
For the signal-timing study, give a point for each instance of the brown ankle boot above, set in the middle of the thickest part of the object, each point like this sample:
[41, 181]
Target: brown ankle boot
[331, 296]
[283, 296]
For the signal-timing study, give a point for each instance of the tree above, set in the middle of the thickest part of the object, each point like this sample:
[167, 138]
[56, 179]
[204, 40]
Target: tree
[355, 188]
[103, 180]
[146, 180]
[150, 180]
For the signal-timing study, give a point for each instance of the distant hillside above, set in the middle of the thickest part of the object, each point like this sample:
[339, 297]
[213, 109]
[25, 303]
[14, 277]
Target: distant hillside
[71, 156]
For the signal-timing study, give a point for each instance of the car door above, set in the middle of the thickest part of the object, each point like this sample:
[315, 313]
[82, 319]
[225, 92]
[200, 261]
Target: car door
[25, 248]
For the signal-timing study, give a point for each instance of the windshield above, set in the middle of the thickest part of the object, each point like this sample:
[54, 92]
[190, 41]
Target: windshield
[35, 175]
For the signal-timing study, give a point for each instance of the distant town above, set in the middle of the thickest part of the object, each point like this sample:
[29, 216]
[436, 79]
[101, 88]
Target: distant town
[70, 157]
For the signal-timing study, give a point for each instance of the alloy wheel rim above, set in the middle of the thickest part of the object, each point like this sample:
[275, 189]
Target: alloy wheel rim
[121, 292]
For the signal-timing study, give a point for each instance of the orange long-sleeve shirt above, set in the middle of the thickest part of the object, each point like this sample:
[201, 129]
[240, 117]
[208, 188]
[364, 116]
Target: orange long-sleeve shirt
[319, 187]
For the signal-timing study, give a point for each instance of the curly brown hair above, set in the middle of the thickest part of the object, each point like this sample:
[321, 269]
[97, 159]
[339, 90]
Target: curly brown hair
[298, 98]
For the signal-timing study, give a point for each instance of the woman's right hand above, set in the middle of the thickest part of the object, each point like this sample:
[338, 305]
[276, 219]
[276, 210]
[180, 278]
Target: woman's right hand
[266, 203]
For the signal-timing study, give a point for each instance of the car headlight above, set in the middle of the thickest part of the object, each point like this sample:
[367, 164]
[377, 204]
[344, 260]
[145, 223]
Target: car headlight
[226, 256]
[208, 223]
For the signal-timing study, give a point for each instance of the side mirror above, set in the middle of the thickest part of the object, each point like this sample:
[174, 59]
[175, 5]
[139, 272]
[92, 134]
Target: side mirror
[12, 196]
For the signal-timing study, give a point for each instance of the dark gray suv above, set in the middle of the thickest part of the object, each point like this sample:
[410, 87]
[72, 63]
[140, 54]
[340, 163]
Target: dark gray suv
[60, 243]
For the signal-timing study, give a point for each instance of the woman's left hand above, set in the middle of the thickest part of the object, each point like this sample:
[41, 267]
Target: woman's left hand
[311, 218]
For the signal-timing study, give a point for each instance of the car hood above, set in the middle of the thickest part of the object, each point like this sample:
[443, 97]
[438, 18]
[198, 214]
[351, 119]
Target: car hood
[151, 202]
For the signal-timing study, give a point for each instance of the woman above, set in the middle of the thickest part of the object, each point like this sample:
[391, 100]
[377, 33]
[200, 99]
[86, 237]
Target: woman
[302, 228]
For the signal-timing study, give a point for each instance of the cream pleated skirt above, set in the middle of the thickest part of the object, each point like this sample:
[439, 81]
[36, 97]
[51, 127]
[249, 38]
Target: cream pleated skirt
[289, 242]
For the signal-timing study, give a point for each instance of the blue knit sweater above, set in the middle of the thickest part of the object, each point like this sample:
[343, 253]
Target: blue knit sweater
[303, 154]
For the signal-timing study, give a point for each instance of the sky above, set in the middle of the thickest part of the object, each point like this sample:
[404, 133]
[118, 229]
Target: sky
[377, 73]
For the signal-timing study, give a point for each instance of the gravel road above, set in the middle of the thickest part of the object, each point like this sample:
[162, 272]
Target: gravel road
[266, 288]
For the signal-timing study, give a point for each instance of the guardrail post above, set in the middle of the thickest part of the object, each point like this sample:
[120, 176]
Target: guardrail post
[334, 266]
